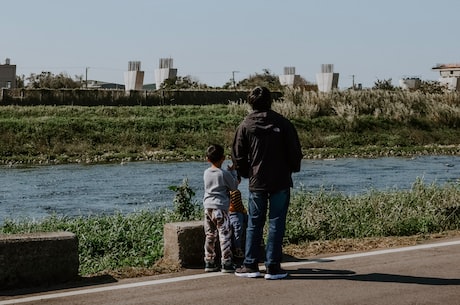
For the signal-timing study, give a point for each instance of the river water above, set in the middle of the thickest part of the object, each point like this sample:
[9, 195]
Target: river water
[73, 190]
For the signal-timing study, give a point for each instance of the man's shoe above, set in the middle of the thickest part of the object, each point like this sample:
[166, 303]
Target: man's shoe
[211, 267]
[275, 273]
[228, 267]
[249, 272]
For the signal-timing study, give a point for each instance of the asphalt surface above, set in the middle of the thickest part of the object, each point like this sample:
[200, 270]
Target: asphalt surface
[423, 274]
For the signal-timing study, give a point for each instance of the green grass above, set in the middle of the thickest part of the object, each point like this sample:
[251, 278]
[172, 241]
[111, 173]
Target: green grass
[106, 242]
[100, 134]
[328, 215]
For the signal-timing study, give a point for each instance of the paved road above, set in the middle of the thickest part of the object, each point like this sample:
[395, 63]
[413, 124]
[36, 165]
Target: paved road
[424, 274]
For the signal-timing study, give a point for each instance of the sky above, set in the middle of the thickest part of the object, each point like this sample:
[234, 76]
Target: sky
[214, 40]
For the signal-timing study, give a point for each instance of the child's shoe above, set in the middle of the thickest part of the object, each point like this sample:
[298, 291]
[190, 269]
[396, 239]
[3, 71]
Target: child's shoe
[228, 267]
[211, 267]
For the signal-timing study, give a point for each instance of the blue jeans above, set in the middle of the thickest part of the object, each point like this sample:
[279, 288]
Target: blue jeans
[238, 223]
[277, 205]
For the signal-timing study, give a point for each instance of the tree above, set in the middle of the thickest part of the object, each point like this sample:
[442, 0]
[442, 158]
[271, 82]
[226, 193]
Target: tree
[20, 81]
[186, 82]
[265, 79]
[384, 84]
[51, 81]
[432, 87]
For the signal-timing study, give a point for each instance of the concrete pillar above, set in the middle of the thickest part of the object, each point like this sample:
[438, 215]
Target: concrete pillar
[134, 78]
[289, 78]
[165, 71]
[327, 80]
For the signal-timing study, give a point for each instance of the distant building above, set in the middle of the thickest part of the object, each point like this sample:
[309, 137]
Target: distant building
[134, 78]
[95, 84]
[289, 78]
[7, 75]
[150, 87]
[327, 80]
[449, 75]
[164, 72]
[410, 83]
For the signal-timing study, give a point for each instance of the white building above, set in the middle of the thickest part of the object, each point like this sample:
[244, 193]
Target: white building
[164, 72]
[327, 80]
[449, 75]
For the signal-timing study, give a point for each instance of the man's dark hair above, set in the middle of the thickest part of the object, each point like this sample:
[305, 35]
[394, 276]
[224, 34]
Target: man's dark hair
[215, 153]
[260, 98]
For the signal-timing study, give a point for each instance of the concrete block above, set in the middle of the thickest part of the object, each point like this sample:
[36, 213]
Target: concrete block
[37, 259]
[184, 243]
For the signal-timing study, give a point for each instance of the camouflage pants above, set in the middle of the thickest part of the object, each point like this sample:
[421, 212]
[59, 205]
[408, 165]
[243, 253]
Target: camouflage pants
[217, 227]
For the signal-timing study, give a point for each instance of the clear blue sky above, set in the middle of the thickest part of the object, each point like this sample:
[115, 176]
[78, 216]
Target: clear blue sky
[208, 39]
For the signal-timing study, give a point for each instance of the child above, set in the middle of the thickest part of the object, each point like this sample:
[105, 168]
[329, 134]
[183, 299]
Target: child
[217, 185]
[238, 219]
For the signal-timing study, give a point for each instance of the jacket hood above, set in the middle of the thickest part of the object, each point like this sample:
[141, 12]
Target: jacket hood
[259, 124]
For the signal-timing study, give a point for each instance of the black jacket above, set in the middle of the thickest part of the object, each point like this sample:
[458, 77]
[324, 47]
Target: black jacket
[266, 149]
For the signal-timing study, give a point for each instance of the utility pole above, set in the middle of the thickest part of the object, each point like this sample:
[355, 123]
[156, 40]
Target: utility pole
[353, 81]
[86, 78]
[233, 79]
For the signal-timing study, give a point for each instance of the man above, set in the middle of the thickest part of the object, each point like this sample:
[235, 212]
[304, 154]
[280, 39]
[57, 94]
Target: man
[266, 149]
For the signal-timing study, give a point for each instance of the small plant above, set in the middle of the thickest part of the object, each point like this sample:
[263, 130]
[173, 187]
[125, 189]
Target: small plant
[184, 206]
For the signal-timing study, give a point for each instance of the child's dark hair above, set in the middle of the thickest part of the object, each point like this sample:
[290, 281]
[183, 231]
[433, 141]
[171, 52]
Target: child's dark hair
[260, 99]
[215, 153]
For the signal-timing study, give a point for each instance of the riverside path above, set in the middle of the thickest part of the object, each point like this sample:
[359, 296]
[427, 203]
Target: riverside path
[428, 273]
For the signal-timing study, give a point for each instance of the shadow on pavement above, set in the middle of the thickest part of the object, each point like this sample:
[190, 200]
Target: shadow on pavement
[78, 283]
[325, 274]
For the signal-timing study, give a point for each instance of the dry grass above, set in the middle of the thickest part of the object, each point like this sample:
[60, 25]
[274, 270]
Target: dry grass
[315, 248]
[161, 267]
[400, 106]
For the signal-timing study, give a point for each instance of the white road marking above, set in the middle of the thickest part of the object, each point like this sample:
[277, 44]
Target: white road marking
[376, 252]
[214, 274]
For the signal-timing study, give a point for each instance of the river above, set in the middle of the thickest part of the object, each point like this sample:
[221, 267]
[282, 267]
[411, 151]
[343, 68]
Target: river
[36, 192]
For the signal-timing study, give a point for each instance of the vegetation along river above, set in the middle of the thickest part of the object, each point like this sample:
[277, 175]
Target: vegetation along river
[74, 190]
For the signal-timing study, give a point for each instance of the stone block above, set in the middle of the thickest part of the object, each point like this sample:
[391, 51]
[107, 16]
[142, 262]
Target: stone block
[184, 243]
[38, 259]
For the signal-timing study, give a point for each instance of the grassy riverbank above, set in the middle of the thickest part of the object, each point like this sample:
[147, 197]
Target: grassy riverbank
[341, 124]
[120, 244]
